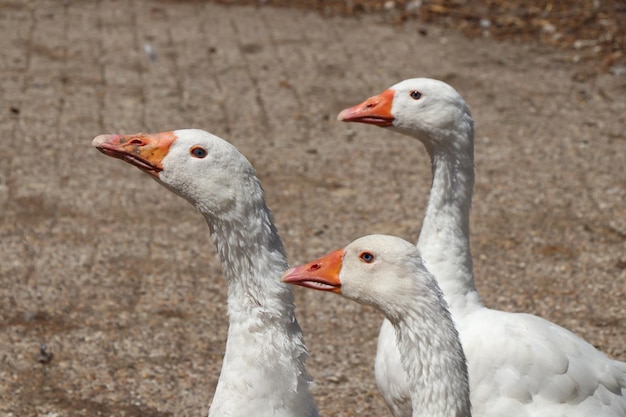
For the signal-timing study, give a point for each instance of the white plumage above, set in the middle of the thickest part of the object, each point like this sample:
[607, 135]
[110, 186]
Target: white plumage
[519, 364]
[263, 372]
[387, 272]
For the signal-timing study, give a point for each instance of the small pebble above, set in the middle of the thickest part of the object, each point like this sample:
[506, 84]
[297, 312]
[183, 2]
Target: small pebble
[44, 356]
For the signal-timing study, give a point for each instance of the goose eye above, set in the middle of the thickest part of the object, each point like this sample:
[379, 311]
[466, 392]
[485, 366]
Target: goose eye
[415, 95]
[367, 257]
[198, 152]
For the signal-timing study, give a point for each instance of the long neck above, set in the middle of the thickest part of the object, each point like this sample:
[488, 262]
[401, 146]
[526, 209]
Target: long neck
[433, 359]
[263, 372]
[444, 239]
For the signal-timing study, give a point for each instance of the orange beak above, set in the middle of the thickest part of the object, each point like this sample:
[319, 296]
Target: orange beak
[375, 111]
[322, 274]
[143, 150]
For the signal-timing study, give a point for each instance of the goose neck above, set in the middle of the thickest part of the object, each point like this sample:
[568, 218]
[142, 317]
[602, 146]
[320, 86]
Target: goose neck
[444, 240]
[433, 358]
[263, 371]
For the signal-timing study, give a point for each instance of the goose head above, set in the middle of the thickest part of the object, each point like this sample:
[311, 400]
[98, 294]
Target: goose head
[378, 270]
[200, 167]
[429, 110]
[387, 273]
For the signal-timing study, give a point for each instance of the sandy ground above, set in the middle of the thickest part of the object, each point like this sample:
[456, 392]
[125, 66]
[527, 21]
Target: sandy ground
[118, 278]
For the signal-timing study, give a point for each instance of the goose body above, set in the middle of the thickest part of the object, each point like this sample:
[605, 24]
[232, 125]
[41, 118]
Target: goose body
[263, 372]
[519, 364]
[387, 273]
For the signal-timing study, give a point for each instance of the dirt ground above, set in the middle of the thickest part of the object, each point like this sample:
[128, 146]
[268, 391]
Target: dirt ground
[593, 31]
[112, 299]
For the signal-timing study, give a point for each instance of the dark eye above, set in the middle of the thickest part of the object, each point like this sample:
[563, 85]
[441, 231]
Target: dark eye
[415, 95]
[367, 257]
[198, 152]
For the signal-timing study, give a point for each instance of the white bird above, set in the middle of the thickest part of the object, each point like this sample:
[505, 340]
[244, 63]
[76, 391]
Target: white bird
[519, 364]
[263, 372]
[387, 273]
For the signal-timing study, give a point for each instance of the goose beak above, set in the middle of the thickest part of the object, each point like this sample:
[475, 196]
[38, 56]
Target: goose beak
[322, 274]
[375, 111]
[143, 150]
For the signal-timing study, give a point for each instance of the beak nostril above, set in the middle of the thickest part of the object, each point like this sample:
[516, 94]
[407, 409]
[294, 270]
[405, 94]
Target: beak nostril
[136, 142]
[315, 267]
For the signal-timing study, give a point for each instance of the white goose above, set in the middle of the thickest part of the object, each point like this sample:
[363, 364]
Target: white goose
[519, 364]
[263, 372]
[387, 273]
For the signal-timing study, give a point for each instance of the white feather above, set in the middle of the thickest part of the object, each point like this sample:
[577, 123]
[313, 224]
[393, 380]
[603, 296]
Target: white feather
[395, 281]
[263, 372]
[519, 364]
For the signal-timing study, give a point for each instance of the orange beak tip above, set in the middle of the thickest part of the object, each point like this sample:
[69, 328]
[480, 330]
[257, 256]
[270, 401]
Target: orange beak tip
[100, 139]
[321, 274]
[342, 115]
[375, 110]
[285, 277]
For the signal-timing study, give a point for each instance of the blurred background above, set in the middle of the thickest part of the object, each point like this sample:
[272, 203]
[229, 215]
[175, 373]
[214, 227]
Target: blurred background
[112, 298]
